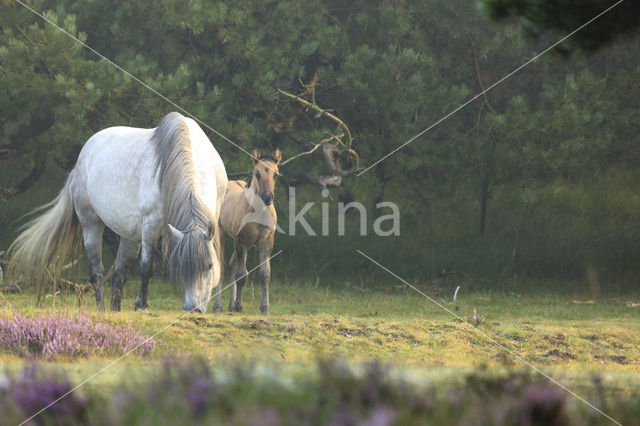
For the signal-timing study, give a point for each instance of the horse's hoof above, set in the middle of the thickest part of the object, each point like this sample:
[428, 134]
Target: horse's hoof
[138, 305]
[115, 303]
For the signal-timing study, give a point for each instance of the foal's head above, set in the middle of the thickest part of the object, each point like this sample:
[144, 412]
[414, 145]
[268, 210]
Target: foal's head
[265, 169]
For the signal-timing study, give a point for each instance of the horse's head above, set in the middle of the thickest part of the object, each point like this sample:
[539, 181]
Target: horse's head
[194, 264]
[265, 169]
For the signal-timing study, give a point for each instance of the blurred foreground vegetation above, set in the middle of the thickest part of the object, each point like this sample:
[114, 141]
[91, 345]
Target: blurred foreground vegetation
[191, 390]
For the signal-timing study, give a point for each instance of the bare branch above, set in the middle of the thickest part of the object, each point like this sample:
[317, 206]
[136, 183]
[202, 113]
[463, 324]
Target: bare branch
[316, 146]
[8, 153]
[36, 172]
[240, 174]
[13, 287]
[71, 264]
[322, 112]
[325, 181]
[332, 157]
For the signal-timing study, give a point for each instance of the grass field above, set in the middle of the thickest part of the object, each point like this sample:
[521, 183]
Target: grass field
[552, 331]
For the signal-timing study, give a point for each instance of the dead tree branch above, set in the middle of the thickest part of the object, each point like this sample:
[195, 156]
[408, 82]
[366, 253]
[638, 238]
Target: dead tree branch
[320, 113]
[315, 147]
[338, 156]
[37, 169]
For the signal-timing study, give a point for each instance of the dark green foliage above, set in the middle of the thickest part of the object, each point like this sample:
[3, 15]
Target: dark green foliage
[466, 189]
[563, 17]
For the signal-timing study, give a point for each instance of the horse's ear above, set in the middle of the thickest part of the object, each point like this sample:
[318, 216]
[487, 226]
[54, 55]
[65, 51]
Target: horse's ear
[176, 236]
[277, 156]
[256, 155]
[210, 231]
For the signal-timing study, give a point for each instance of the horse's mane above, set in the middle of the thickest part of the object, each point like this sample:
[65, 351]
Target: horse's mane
[182, 207]
[174, 161]
[267, 157]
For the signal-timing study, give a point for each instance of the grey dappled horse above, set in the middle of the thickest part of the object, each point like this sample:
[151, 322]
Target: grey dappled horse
[141, 183]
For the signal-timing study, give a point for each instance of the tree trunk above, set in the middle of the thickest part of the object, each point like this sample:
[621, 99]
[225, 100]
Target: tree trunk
[483, 204]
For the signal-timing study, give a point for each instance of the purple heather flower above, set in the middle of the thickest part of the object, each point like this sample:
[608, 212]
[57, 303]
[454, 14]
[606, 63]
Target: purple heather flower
[51, 335]
[34, 390]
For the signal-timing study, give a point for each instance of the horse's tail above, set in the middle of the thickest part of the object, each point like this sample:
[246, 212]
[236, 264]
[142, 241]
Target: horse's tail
[47, 240]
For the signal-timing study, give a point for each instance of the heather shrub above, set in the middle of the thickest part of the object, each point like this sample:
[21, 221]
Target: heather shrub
[53, 335]
[27, 393]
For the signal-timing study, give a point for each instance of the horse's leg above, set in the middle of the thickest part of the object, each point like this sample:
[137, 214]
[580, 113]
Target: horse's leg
[92, 236]
[127, 253]
[264, 273]
[151, 228]
[92, 230]
[241, 275]
[217, 304]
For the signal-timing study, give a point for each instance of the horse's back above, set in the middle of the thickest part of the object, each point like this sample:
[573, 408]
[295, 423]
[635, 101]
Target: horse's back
[115, 175]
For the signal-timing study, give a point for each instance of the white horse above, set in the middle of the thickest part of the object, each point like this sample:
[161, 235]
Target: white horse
[141, 183]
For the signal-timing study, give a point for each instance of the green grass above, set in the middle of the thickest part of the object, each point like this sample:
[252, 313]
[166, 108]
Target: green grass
[396, 326]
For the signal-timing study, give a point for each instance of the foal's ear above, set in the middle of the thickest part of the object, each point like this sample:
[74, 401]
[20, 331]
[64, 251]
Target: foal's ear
[256, 155]
[277, 156]
[211, 231]
[176, 236]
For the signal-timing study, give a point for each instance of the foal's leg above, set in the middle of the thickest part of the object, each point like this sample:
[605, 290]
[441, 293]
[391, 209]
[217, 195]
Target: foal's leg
[240, 275]
[233, 268]
[264, 273]
[151, 228]
[127, 253]
[217, 304]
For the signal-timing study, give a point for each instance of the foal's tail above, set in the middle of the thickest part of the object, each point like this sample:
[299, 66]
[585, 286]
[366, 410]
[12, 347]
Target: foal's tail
[48, 239]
